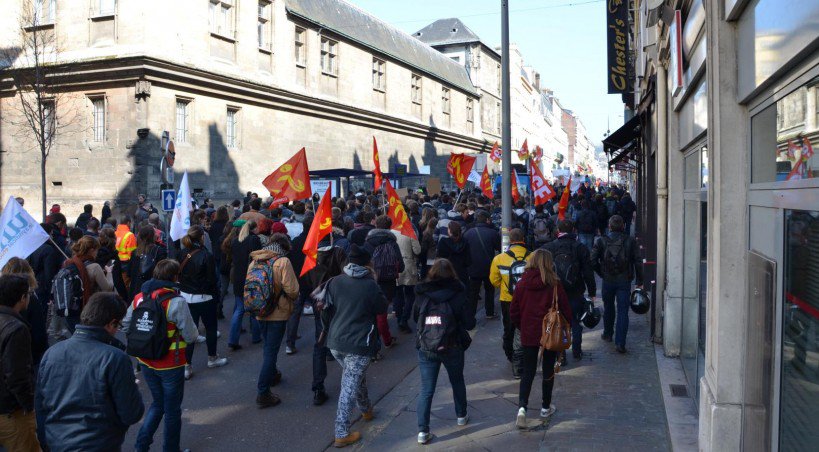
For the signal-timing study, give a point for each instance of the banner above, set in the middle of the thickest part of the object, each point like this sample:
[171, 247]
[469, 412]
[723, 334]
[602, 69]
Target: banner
[21, 234]
[181, 219]
[474, 177]
[396, 212]
[617, 31]
[321, 226]
[486, 184]
[541, 190]
[459, 166]
[320, 186]
[290, 182]
[377, 176]
[495, 154]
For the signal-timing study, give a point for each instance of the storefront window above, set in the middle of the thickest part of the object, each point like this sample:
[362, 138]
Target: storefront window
[799, 406]
[784, 136]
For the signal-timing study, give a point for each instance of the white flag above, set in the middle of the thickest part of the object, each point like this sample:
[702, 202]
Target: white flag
[21, 234]
[474, 177]
[181, 220]
[577, 183]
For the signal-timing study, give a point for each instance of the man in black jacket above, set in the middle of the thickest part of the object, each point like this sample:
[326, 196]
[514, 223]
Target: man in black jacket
[484, 243]
[364, 223]
[18, 431]
[573, 266]
[86, 394]
[616, 258]
[387, 262]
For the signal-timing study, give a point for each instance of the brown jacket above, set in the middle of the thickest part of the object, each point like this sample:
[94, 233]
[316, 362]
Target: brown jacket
[284, 280]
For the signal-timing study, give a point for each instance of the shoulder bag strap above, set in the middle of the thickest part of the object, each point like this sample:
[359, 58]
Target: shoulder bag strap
[187, 259]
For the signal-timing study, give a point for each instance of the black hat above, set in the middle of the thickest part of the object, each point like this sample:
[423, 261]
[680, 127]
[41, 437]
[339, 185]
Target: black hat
[358, 255]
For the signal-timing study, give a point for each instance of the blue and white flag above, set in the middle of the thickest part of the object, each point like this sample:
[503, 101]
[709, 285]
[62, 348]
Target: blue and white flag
[181, 220]
[20, 234]
[474, 177]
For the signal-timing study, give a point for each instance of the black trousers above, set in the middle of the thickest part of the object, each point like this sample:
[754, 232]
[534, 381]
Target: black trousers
[320, 352]
[508, 330]
[527, 376]
[488, 294]
[206, 311]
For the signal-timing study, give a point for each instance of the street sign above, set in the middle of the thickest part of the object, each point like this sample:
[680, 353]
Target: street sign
[168, 200]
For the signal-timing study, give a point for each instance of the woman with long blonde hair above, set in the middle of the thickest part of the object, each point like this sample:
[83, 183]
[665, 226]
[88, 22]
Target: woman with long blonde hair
[533, 297]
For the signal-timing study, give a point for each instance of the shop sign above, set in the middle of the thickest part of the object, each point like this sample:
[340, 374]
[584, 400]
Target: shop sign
[617, 31]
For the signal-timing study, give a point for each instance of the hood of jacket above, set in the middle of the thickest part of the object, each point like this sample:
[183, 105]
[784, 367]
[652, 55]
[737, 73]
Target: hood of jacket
[531, 279]
[356, 271]
[459, 246]
[440, 290]
[270, 251]
[152, 285]
[378, 237]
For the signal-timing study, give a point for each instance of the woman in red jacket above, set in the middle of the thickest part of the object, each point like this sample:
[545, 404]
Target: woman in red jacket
[530, 303]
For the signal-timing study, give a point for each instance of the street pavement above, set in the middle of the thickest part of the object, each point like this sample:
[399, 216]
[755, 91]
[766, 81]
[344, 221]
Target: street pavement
[607, 401]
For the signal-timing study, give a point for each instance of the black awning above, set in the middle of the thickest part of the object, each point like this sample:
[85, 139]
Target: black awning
[623, 137]
[341, 172]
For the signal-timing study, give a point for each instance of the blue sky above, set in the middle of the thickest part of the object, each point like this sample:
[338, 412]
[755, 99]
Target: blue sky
[566, 44]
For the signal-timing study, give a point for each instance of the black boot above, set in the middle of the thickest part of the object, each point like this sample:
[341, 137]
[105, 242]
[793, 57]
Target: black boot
[319, 397]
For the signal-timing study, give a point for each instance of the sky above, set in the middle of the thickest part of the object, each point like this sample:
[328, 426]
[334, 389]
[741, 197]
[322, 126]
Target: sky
[564, 40]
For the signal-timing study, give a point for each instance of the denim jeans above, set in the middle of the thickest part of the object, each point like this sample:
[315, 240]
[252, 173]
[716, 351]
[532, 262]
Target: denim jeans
[586, 239]
[620, 291]
[577, 303]
[272, 334]
[167, 388]
[294, 320]
[404, 299]
[206, 311]
[429, 364]
[353, 388]
[236, 323]
[488, 295]
[527, 376]
[320, 352]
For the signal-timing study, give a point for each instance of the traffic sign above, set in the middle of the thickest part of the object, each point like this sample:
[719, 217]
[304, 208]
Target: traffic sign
[168, 200]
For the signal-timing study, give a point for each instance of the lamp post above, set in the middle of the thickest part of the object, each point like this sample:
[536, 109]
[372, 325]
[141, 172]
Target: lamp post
[506, 133]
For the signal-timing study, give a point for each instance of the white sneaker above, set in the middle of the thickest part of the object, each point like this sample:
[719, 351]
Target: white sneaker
[520, 420]
[218, 334]
[216, 361]
[424, 437]
[289, 350]
[308, 310]
[188, 372]
[547, 412]
[463, 420]
[200, 339]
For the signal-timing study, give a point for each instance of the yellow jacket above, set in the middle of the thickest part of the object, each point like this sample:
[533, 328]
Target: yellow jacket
[499, 270]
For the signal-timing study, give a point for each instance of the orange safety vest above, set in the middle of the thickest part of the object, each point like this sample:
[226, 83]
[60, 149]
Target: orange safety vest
[126, 243]
[176, 352]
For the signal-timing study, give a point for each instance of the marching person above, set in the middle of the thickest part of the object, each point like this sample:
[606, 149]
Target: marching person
[616, 258]
[455, 249]
[532, 300]
[484, 243]
[34, 314]
[500, 277]
[246, 242]
[438, 343]
[405, 291]
[387, 265]
[94, 278]
[143, 260]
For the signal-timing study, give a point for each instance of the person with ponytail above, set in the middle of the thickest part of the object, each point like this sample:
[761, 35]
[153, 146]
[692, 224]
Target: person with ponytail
[246, 242]
[94, 277]
[455, 249]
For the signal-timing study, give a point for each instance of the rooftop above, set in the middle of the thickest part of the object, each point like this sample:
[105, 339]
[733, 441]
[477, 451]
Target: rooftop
[449, 31]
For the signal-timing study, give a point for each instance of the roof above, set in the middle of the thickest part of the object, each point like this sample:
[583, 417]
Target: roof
[358, 26]
[449, 31]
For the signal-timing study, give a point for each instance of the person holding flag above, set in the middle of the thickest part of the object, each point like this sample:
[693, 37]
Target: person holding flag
[410, 247]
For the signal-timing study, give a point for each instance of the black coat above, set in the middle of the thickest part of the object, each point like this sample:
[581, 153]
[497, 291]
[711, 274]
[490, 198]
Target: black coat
[153, 255]
[216, 233]
[632, 254]
[241, 261]
[446, 291]
[17, 389]
[484, 243]
[459, 254]
[378, 237]
[568, 244]
[46, 262]
[106, 255]
[86, 395]
[359, 234]
[199, 275]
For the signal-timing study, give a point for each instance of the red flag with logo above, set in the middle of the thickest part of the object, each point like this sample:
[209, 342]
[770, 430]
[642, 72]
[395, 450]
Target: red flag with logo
[564, 201]
[495, 154]
[396, 212]
[515, 192]
[291, 181]
[799, 169]
[486, 184]
[322, 225]
[538, 155]
[459, 166]
[379, 178]
[523, 152]
[541, 190]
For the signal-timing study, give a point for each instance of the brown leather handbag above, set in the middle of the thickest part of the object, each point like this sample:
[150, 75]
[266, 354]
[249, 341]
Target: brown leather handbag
[556, 332]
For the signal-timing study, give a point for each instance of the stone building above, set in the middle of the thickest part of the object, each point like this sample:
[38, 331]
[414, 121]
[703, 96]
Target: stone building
[241, 85]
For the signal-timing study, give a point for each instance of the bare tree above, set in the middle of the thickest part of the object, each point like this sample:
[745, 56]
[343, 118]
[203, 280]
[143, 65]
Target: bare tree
[36, 72]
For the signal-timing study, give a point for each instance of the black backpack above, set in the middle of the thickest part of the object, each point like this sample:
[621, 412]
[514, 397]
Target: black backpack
[586, 221]
[67, 291]
[566, 264]
[147, 262]
[516, 270]
[615, 261]
[386, 262]
[543, 229]
[148, 331]
[436, 327]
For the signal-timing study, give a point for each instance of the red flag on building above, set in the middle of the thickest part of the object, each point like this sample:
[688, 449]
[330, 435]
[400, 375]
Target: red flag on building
[322, 225]
[396, 212]
[291, 181]
[523, 152]
[564, 201]
[515, 192]
[495, 154]
[538, 154]
[486, 184]
[459, 166]
[541, 190]
[379, 178]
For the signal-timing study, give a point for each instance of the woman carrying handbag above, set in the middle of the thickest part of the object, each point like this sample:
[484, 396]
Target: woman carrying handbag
[540, 311]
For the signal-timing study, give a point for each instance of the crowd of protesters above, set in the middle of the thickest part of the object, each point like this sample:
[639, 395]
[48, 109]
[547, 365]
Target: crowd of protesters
[365, 271]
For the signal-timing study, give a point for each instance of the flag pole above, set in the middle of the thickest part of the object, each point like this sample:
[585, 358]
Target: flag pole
[58, 247]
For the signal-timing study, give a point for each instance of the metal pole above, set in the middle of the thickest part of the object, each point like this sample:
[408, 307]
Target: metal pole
[506, 159]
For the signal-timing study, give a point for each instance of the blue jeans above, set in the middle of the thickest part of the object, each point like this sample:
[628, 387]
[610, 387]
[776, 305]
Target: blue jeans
[577, 303]
[295, 319]
[619, 290]
[586, 239]
[167, 388]
[272, 334]
[236, 324]
[402, 304]
[353, 389]
[430, 364]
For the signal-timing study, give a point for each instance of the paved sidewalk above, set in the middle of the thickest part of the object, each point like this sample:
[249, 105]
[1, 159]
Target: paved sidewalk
[607, 401]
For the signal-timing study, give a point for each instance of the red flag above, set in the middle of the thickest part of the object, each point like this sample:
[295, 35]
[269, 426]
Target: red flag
[791, 149]
[322, 225]
[538, 154]
[396, 212]
[799, 168]
[379, 178]
[459, 166]
[291, 181]
[495, 154]
[486, 184]
[564, 201]
[515, 192]
[523, 152]
[541, 190]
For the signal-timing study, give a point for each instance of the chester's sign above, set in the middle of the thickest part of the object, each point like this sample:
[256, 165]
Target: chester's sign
[617, 30]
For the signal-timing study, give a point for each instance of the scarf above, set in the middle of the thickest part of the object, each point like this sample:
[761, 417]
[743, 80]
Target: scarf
[87, 290]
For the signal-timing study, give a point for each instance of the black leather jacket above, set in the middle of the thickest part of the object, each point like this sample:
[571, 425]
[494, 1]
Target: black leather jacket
[16, 373]
[199, 275]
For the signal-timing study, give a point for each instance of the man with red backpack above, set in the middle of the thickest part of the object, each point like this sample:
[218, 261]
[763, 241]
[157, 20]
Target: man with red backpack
[388, 265]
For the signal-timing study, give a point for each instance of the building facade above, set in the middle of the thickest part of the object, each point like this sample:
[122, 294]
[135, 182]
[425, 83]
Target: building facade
[724, 133]
[240, 85]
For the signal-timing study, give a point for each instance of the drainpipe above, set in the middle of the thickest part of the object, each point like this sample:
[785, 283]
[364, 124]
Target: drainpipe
[662, 194]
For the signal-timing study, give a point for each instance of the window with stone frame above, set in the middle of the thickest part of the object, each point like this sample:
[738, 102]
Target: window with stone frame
[43, 12]
[498, 117]
[263, 25]
[445, 101]
[379, 75]
[50, 119]
[416, 89]
[232, 128]
[300, 42]
[97, 118]
[182, 134]
[222, 18]
[106, 7]
[329, 56]
[470, 112]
